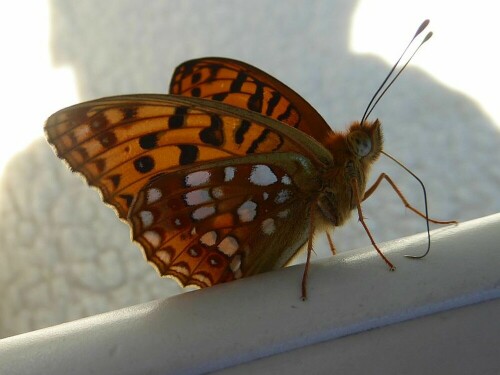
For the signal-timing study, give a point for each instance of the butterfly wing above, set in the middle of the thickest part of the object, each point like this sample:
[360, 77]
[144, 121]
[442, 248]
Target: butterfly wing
[119, 143]
[226, 220]
[245, 86]
[148, 155]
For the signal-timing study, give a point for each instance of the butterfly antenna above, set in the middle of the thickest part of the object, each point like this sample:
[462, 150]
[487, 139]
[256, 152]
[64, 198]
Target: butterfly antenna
[427, 37]
[425, 203]
[376, 97]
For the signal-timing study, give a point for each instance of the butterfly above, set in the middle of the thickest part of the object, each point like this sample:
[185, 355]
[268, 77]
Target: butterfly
[227, 176]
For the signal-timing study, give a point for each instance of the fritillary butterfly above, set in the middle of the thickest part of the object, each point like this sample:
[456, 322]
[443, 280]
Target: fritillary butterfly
[224, 178]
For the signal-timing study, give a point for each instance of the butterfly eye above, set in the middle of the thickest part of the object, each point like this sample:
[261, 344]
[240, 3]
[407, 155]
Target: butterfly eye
[360, 143]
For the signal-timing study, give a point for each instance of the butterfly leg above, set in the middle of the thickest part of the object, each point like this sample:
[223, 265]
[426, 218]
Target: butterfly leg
[384, 176]
[355, 189]
[309, 251]
[330, 242]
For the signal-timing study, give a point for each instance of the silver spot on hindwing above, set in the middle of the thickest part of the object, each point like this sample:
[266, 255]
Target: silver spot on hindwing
[153, 195]
[147, 218]
[268, 226]
[197, 178]
[247, 211]
[228, 246]
[203, 212]
[152, 237]
[282, 196]
[196, 197]
[229, 173]
[209, 238]
[262, 175]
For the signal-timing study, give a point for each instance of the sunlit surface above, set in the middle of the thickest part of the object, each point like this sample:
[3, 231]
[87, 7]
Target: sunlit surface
[31, 87]
[460, 56]
[462, 53]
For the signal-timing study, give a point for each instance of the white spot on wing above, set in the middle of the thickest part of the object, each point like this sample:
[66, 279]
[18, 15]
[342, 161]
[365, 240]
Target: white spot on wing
[217, 193]
[235, 263]
[286, 180]
[193, 252]
[262, 175]
[268, 226]
[82, 131]
[153, 195]
[164, 256]
[197, 178]
[265, 196]
[209, 238]
[196, 197]
[180, 269]
[202, 279]
[247, 211]
[284, 214]
[146, 218]
[214, 261]
[152, 237]
[282, 196]
[203, 212]
[228, 245]
[229, 173]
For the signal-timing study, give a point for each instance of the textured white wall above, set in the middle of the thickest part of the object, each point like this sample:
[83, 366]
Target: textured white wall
[64, 255]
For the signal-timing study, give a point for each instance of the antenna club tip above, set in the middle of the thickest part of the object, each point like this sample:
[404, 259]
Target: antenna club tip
[422, 27]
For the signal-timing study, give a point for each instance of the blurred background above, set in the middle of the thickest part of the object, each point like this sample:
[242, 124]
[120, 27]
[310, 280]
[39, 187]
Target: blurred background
[65, 255]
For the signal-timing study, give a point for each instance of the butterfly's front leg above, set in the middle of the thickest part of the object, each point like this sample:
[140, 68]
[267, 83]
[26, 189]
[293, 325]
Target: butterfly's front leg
[309, 249]
[384, 176]
[330, 242]
[355, 189]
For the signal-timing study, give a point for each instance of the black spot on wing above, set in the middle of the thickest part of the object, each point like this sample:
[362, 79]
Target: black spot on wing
[213, 135]
[195, 78]
[273, 102]
[189, 154]
[100, 164]
[220, 96]
[238, 82]
[127, 198]
[239, 135]
[98, 122]
[255, 144]
[176, 121]
[286, 115]
[144, 164]
[115, 179]
[148, 141]
[107, 139]
[256, 99]
[196, 92]
[129, 113]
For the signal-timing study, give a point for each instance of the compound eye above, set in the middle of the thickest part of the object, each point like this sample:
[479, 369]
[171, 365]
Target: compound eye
[361, 143]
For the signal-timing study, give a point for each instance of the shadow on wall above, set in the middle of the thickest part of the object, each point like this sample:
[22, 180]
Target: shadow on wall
[67, 256]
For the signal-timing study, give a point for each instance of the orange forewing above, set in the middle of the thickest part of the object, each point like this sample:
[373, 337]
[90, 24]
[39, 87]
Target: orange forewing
[119, 143]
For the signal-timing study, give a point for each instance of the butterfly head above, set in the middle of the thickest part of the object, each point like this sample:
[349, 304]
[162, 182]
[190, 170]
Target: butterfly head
[365, 141]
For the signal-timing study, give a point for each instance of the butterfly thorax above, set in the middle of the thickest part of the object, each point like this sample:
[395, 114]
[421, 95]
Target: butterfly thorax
[354, 152]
